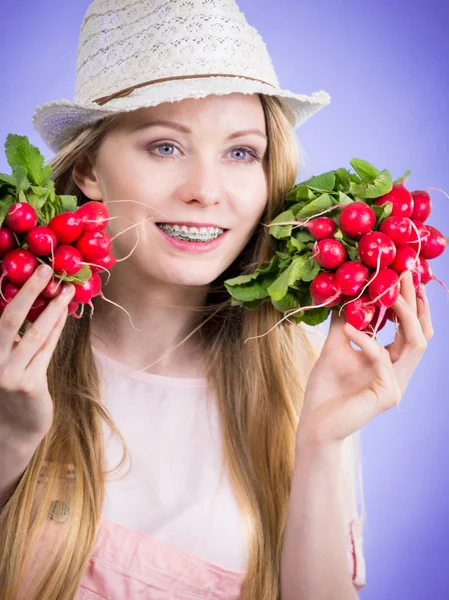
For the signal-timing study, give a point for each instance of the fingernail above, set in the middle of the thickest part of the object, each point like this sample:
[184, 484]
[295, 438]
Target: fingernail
[44, 271]
[401, 299]
[67, 290]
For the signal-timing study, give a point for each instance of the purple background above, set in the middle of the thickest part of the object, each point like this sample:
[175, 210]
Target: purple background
[386, 65]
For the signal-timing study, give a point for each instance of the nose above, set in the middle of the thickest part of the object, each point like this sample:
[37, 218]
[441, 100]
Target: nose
[203, 182]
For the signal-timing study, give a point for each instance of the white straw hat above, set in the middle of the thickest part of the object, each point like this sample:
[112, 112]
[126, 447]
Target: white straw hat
[138, 53]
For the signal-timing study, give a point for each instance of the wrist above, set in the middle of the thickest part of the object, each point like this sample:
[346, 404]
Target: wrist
[313, 440]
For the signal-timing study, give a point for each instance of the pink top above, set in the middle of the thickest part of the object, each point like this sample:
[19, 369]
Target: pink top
[171, 527]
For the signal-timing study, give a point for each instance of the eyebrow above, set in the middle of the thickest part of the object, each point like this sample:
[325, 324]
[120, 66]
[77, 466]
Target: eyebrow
[184, 129]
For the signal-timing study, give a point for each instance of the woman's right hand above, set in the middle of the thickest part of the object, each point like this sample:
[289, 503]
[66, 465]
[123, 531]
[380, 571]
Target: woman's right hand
[26, 407]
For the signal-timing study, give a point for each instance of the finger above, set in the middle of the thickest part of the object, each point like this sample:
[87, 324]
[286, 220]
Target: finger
[408, 291]
[336, 334]
[41, 360]
[16, 311]
[37, 334]
[384, 392]
[424, 314]
[410, 325]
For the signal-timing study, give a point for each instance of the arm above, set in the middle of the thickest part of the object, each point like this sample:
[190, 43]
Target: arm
[314, 563]
[14, 459]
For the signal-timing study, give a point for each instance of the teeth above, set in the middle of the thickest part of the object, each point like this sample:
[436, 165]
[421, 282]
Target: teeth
[203, 234]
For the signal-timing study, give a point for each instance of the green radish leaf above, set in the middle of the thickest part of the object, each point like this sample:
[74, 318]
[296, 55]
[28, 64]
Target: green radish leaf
[37, 201]
[338, 235]
[303, 235]
[303, 267]
[300, 194]
[251, 305]
[322, 203]
[382, 212]
[343, 179]
[69, 203]
[315, 316]
[288, 302]
[83, 275]
[352, 251]
[20, 175]
[366, 171]
[21, 196]
[403, 178]
[51, 191]
[256, 290]
[283, 255]
[379, 187]
[344, 199]
[39, 191]
[282, 231]
[321, 183]
[296, 246]
[7, 179]
[4, 207]
[19, 152]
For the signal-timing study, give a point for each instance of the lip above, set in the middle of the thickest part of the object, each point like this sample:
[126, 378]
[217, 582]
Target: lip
[190, 224]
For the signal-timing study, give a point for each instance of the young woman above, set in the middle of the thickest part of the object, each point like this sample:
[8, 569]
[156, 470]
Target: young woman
[241, 482]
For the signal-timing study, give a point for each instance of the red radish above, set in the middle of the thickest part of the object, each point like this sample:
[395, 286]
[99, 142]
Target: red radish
[67, 260]
[96, 285]
[84, 292]
[375, 244]
[376, 325]
[38, 307]
[358, 312]
[423, 273]
[10, 291]
[398, 229]
[350, 277]
[67, 227]
[323, 289]
[386, 282]
[321, 227]
[7, 241]
[94, 216]
[401, 199]
[52, 289]
[329, 253]
[422, 205]
[21, 217]
[72, 308]
[405, 260]
[94, 245]
[434, 245]
[423, 235]
[41, 241]
[19, 265]
[107, 262]
[356, 219]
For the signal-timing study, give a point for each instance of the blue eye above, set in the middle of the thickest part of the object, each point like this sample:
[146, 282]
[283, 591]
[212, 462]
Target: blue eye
[167, 146]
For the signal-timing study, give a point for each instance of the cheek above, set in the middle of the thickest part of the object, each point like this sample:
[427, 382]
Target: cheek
[251, 195]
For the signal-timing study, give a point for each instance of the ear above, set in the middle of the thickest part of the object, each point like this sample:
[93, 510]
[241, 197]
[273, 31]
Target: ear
[86, 178]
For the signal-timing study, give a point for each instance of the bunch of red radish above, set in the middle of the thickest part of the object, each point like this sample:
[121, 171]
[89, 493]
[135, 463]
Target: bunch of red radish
[367, 287]
[74, 243]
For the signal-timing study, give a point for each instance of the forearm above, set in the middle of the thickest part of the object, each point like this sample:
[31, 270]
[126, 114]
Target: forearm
[314, 563]
[14, 459]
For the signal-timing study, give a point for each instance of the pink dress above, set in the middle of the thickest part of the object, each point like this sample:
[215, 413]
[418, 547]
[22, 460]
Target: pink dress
[171, 528]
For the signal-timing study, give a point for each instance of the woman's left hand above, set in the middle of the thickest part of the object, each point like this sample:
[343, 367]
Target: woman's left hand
[348, 388]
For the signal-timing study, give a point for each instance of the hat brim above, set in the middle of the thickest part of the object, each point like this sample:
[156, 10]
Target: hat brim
[59, 122]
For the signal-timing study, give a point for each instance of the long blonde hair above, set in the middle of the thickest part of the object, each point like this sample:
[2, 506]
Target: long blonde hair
[258, 387]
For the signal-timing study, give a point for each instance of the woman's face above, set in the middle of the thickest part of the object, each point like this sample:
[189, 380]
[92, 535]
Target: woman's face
[200, 165]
